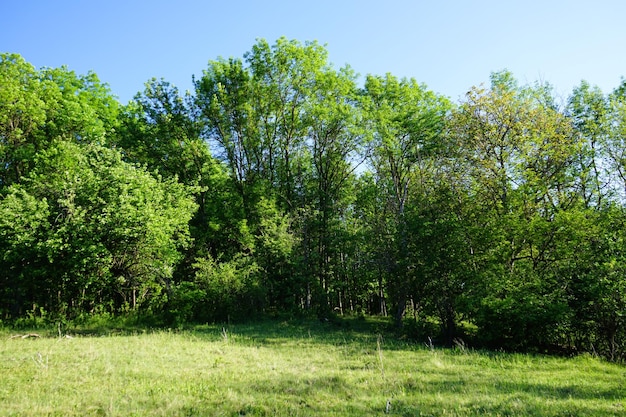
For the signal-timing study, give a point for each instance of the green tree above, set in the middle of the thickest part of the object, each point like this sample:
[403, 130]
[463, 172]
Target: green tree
[335, 142]
[615, 152]
[85, 230]
[588, 109]
[285, 123]
[22, 112]
[223, 97]
[521, 154]
[38, 107]
[407, 121]
[160, 129]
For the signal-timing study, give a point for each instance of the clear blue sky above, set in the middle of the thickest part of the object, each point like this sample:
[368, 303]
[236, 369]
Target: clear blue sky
[450, 45]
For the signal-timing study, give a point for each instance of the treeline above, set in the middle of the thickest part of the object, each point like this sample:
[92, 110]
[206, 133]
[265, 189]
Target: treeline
[282, 185]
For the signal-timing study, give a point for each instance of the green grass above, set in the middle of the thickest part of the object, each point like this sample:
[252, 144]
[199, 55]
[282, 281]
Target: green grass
[291, 369]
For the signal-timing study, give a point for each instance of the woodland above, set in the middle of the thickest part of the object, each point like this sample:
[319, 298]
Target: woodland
[283, 186]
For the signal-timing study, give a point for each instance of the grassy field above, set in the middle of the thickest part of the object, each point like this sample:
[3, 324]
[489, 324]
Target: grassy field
[301, 368]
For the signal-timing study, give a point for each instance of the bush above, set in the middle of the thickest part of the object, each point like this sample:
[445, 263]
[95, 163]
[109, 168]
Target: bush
[221, 291]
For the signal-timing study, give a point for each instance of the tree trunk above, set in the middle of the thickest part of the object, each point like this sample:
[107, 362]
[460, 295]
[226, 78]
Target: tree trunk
[401, 309]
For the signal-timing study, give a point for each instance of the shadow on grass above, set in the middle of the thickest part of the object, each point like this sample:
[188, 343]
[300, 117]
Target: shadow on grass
[265, 331]
[272, 332]
[564, 392]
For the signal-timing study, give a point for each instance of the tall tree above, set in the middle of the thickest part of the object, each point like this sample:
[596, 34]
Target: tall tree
[223, 97]
[520, 151]
[335, 142]
[285, 123]
[407, 121]
[160, 129]
[616, 142]
[254, 112]
[588, 108]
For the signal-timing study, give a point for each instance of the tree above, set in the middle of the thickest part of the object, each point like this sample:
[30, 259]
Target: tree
[407, 121]
[285, 123]
[158, 130]
[335, 142]
[22, 111]
[588, 109]
[38, 107]
[521, 174]
[223, 97]
[616, 143]
[85, 230]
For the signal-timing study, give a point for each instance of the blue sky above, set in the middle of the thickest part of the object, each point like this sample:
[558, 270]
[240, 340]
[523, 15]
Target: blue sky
[450, 45]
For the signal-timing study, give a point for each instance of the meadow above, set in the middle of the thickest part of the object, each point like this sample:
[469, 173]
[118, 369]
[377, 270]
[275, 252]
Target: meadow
[290, 368]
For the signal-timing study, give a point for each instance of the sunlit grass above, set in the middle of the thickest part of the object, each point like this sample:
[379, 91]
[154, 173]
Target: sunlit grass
[292, 369]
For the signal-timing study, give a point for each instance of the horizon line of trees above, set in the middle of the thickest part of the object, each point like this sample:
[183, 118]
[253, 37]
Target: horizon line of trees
[283, 185]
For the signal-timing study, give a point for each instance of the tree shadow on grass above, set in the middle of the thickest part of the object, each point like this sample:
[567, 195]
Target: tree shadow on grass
[339, 331]
[475, 396]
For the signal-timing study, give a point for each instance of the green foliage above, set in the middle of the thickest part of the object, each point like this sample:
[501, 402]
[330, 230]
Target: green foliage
[39, 107]
[232, 290]
[502, 214]
[157, 130]
[407, 123]
[22, 112]
[85, 227]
